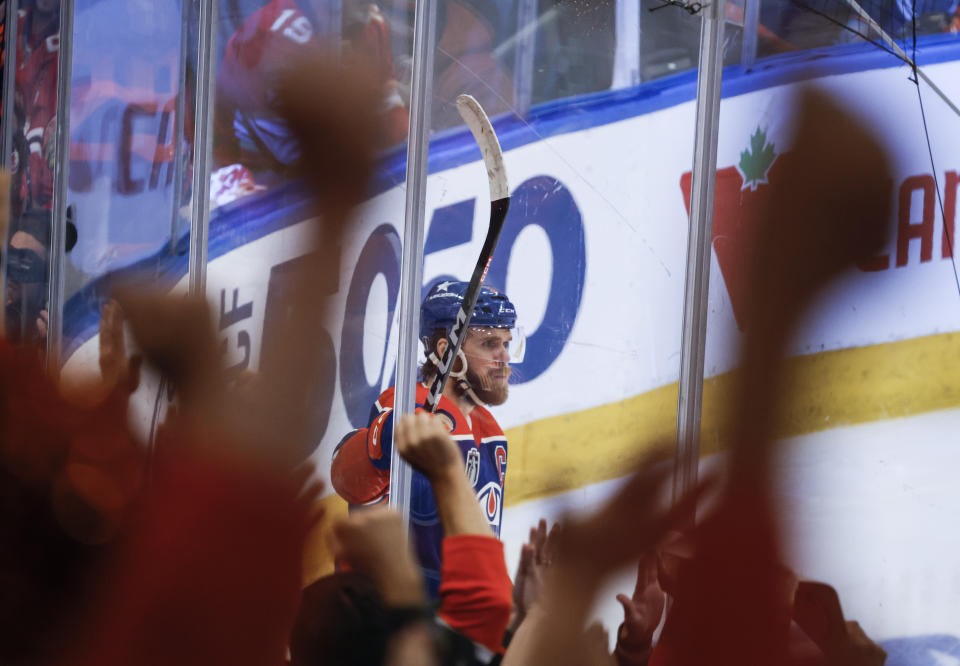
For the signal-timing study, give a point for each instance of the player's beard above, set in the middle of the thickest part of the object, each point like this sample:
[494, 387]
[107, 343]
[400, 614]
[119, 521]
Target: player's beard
[491, 387]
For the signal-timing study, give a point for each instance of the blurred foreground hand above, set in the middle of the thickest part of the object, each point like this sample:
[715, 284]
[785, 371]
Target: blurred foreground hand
[827, 212]
[211, 571]
[586, 552]
[374, 542]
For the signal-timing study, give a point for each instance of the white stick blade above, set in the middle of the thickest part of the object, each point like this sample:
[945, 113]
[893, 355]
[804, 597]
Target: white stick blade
[479, 124]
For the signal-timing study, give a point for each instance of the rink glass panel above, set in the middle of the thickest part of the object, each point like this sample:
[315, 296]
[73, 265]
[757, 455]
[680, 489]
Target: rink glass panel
[259, 225]
[513, 54]
[33, 140]
[125, 83]
[593, 249]
[863, 486]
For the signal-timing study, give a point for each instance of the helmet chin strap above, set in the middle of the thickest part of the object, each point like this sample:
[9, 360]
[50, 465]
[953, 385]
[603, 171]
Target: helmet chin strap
[459, 375]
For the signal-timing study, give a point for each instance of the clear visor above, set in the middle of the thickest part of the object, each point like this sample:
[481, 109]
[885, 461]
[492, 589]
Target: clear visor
[497, 346]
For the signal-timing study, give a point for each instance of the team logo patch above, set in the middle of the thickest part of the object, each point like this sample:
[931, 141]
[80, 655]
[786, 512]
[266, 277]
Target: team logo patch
[473, 465]
[491, 501]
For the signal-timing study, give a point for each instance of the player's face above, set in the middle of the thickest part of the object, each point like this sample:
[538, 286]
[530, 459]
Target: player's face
[488, 357]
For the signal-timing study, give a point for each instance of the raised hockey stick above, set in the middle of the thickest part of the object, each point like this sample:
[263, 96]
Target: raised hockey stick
[473, 114]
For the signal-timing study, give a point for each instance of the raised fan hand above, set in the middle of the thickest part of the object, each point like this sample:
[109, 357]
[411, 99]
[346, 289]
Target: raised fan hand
[117, 368]
[333, 113]
[642, 610]
[630, 524]
[859, 649]
[828, 211]
[227, 512]
[587, 550]
[424, 441]
[375, 543]
[528, 581]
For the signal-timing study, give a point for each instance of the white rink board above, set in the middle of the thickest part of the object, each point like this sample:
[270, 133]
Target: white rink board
[876, 499]
[869, 509]
[624, 179]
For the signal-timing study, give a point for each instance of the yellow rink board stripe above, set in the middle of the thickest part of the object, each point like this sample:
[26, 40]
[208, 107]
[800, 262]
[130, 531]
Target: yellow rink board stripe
[826, 390]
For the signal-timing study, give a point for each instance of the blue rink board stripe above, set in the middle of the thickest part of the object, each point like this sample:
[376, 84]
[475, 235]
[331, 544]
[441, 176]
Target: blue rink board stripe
[256, 216]
[231, 226]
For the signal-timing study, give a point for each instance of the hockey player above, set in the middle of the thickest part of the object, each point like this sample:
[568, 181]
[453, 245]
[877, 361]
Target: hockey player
[361, 464]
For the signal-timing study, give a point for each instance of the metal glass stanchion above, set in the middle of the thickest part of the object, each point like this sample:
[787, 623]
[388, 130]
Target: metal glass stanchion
[412, 260]
[61, 170]
[697, 286]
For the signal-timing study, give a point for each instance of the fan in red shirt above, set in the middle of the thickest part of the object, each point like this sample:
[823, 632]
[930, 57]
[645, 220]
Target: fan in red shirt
[38, 47]
[249, 129]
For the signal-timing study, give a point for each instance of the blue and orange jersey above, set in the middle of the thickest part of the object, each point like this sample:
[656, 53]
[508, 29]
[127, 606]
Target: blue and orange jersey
[361, 471]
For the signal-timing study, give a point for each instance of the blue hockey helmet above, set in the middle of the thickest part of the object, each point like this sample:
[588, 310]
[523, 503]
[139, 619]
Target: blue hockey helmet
[440, 307]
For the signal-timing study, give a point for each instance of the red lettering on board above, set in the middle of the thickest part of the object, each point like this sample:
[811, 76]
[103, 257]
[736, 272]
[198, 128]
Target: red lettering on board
[949, 212]
[908, 230]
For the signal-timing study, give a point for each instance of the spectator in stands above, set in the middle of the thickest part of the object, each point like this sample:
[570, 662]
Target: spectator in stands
[465, 62]
[585, 552]
[898, 19]
[575, 47]
[343, 619]
[814, 24]
[818, 633]
[38, 46]
[28, 254]
[253, 144]
[248, 128]
[26, 292]
[658, 572]
[69, 475]
[642, 610]
[19, 159]
[939, 16]
[366, 45]
[795, 27]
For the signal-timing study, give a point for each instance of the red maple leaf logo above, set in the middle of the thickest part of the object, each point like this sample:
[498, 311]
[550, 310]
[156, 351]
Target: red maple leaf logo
[735, 215]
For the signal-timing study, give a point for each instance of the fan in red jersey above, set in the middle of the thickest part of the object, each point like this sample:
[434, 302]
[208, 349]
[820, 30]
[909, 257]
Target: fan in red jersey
[249, 129]
[38, 48]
